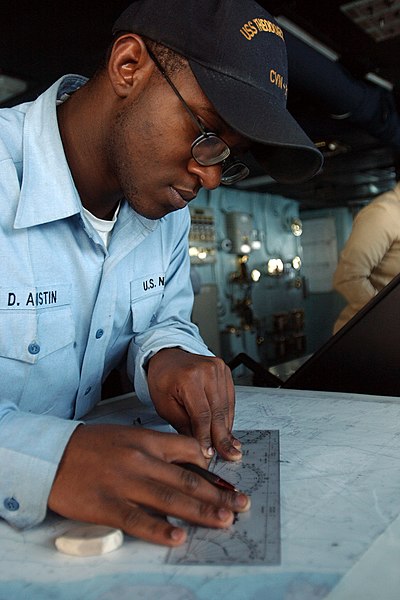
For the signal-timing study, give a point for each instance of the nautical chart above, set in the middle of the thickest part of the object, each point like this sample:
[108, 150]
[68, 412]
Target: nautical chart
[254, 537]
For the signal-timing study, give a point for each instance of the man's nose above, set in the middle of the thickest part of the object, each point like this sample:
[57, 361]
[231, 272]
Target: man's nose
[210, 177]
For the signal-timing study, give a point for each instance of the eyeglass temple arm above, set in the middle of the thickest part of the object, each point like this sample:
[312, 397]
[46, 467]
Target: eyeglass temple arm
[169, 80]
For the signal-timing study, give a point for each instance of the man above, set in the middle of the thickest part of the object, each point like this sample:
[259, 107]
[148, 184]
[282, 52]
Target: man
[95, 181]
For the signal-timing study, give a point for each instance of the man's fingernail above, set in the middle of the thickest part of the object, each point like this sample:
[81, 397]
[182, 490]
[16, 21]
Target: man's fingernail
[209, 452]
[177, 534]
[224, 514]
[237, 444]
[235, 453]
[242, 501]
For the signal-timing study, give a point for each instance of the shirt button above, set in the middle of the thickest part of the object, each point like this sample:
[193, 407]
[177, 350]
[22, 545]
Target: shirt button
[33, 348]
[99, 333]
[11, 504]
[87, 390]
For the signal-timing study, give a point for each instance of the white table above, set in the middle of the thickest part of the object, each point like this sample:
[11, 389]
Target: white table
[340, 506]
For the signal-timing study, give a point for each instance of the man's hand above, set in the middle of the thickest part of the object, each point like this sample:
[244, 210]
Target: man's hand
[124, 477]
[196, 395]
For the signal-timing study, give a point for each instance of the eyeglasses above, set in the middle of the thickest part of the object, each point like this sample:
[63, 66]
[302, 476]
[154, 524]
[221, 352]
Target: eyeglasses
[209, 149]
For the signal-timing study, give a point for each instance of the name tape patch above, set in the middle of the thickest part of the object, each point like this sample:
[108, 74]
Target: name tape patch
[23, 298]
[147, 286]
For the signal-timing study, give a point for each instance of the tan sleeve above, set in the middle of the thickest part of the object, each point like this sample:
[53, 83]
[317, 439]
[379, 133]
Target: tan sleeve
[374, 230]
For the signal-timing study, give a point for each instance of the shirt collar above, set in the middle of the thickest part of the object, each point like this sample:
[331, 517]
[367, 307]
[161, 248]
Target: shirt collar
[48, 192]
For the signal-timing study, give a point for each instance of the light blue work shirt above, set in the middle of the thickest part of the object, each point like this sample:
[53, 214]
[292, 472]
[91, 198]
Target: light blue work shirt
[71, 309]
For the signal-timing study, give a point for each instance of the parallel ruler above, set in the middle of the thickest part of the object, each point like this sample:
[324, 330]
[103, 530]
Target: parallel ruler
[254, 537]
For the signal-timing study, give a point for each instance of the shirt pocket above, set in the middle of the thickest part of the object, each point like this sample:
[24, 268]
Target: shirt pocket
[31, 334]
[146, 296]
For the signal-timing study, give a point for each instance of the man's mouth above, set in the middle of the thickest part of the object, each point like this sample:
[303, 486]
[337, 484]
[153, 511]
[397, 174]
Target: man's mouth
[187, 195]
[180, 198]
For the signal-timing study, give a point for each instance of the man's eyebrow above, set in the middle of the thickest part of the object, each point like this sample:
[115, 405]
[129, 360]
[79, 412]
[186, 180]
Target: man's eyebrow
[221, 124]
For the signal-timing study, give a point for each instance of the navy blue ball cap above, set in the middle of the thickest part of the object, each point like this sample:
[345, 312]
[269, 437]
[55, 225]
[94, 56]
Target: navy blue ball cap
[237, 53]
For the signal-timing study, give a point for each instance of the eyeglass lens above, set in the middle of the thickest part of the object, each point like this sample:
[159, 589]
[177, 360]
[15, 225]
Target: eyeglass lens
[232, 172]
[209, 149]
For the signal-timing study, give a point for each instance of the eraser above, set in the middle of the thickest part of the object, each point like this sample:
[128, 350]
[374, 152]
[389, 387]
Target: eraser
[89, 540]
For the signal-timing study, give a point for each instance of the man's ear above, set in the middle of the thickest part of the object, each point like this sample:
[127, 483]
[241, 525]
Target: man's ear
[129, 65]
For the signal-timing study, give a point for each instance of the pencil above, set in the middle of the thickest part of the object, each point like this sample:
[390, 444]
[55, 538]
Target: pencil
[209, 476]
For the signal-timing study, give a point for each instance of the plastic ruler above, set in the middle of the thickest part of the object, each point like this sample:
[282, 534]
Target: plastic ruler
[254, 537]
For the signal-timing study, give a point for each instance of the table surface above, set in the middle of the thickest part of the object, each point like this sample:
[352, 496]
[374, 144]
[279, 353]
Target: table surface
[340, 506]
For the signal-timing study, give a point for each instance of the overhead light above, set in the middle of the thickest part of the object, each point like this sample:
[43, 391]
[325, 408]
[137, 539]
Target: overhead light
[307, 38]
[379, 81]
[11, 87]
[380, 20]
